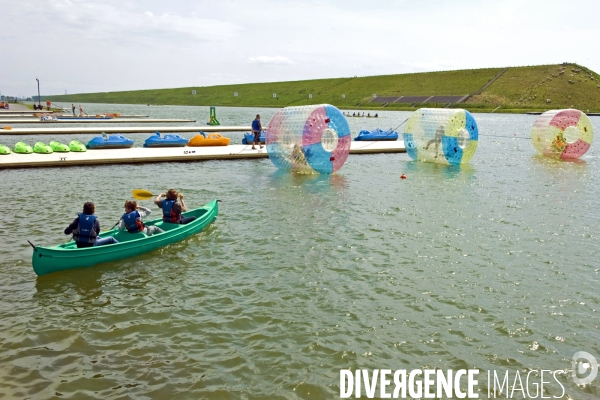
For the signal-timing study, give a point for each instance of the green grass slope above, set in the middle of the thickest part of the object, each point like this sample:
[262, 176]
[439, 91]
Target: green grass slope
[543, 87]
[517, 89]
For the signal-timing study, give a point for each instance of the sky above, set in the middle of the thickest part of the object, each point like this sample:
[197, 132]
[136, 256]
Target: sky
[82, 46]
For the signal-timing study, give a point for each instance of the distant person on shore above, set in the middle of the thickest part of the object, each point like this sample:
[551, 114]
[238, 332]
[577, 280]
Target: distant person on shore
[132, 219]
[376, 115]
[73, 108]
[171, 208]
[256, 130]
[48, 104]
[354, 114]
[86, 228]
[80, 111]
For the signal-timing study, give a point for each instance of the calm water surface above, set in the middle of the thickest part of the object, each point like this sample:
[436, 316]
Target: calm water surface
[492, 266]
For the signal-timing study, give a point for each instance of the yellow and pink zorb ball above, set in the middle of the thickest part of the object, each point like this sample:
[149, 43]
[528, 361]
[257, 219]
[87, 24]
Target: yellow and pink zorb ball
[564, 134]
[308, 139]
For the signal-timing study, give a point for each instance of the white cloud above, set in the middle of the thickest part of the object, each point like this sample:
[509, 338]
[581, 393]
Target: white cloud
[110, 45]
[102, 21]
[274, 60]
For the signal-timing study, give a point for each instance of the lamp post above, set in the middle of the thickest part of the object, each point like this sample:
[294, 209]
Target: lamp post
[39, 97]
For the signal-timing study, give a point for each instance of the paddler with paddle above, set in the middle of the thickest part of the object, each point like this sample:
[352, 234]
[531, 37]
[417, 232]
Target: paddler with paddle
[171, 208]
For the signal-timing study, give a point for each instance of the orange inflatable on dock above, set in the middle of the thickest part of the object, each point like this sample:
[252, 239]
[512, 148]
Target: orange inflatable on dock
[212, 139]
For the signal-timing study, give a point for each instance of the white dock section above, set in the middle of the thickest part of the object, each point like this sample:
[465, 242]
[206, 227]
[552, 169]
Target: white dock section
[167, 154]
[24, 110]
[67, 116]
[29, 117]
[94, 121]
[124, 129]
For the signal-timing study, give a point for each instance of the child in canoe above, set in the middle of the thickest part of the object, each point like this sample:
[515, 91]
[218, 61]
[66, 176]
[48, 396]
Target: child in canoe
[132, 219]
[171, 208]
[85, 229]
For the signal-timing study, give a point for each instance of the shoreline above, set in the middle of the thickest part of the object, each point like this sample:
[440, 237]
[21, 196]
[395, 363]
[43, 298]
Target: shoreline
[487, 110]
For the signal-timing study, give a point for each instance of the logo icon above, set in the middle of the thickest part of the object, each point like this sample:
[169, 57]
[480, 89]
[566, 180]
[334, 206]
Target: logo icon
[582, 367]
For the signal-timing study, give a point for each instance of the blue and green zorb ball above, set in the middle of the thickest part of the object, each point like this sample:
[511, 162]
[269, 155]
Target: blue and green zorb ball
[441, 136]
[311, 139]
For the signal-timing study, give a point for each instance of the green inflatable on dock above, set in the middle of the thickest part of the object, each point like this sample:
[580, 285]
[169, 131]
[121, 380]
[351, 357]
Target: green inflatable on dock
[22, 148]
[67, 256]
[4, 149]
[58, 147]
[75, 146]
[42, 148]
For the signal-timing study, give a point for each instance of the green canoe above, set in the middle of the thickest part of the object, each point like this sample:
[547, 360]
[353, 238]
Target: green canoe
[46, 260]
[4, 149]
[58, 147]
[75, 146]
[22, 148]
[42, 148]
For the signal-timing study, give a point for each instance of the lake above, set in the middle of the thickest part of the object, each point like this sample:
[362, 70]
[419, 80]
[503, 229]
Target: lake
[490, 266]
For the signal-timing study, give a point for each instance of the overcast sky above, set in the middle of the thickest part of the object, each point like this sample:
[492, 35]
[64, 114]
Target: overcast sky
[83, 46]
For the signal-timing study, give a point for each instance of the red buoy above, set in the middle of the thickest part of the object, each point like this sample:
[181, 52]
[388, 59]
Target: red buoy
[402, 176]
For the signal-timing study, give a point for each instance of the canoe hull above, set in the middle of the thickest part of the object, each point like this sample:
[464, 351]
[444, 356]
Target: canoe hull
[46, 260]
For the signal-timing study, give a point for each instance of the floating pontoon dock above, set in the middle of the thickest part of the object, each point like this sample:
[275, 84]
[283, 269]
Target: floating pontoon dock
[123, 129]
[21, 111]
[93, 120]
[167, 154]
[32, 116]
[69, 116]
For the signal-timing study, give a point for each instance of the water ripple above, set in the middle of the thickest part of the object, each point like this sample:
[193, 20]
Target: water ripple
[490, 266]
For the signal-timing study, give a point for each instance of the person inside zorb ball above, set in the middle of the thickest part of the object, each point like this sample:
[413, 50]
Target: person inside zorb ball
[564, 134]
[311, 139]
[441, 136]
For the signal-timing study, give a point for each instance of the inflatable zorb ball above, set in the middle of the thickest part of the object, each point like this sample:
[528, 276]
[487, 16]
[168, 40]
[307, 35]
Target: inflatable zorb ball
[441, 136]
[564, 134]
[308, 139]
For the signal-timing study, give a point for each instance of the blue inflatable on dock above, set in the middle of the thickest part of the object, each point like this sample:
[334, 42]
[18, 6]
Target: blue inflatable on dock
[376, 134]
[249, 138]
[110, 142]
[165, 141]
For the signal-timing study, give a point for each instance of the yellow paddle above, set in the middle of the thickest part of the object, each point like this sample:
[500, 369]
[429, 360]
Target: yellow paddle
[142, 194]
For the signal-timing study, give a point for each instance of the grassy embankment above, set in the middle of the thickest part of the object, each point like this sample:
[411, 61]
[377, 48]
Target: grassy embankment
[519, 89]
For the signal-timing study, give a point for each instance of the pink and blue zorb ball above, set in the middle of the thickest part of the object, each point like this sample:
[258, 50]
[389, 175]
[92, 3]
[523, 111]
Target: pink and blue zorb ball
[563, 134]
[311, 139]
[441, 136]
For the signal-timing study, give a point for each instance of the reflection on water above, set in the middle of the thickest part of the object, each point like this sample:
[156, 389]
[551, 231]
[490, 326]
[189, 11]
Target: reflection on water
[313, 182]
[441, 171]
[490, 265]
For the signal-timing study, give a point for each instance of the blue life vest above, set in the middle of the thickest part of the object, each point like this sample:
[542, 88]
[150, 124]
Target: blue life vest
[132, 221]
[256, 125]
[85, 232]
[168, 213]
